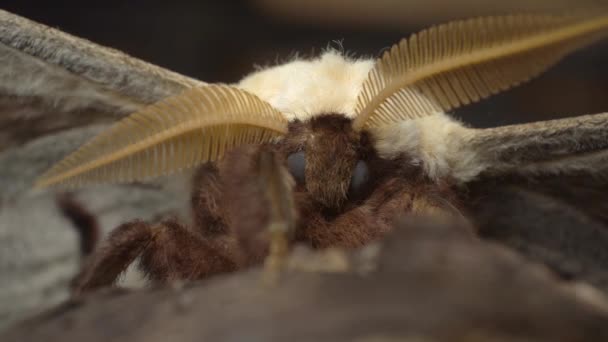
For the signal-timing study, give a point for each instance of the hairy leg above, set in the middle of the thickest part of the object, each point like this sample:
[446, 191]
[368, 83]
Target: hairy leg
[177, 253]
[169, 251]
[375, 216]
[228, 207]
[206, 201]
[112, 258]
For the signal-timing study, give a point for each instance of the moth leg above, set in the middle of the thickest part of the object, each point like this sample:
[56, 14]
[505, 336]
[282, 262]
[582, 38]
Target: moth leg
[120, 249]
[169, 252]
[258, 202]
[206, 201]
[176, 253]
[83, 220]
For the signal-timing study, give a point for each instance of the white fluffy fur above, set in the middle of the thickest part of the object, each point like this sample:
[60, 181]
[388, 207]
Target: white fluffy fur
[435, 141]
[305, 88]
[330, 84]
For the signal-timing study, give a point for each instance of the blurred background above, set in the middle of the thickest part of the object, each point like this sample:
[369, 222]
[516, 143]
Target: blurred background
[221, 41]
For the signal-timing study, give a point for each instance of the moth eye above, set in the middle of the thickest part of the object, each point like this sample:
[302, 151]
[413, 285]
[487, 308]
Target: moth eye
[296, 163]
[359, 178]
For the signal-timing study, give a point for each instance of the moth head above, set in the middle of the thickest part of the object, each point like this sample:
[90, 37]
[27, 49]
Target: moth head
[327, 158]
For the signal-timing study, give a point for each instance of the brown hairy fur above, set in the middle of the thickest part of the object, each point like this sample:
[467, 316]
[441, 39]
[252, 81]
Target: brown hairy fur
[332, 149]
[121, 248]
[231, 210]
[205, 194]
[177, 253]
[244, 203]
[169, 252]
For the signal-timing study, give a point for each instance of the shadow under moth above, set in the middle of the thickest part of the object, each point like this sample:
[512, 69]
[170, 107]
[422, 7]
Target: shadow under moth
[327, 152]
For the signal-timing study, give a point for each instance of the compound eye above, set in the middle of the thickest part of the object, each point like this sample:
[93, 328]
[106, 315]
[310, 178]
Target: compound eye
[296, 163]
[359, 178]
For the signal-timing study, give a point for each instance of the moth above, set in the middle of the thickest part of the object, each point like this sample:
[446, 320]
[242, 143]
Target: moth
[328, 151]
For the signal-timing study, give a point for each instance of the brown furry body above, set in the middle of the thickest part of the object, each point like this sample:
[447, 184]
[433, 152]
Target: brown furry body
[231, 212]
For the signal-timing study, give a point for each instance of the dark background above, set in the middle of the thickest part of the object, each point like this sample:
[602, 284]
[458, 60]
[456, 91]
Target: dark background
[221, 41]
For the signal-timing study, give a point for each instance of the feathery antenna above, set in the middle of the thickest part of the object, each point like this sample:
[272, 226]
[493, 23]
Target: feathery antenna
[462, 62]
[196, 126]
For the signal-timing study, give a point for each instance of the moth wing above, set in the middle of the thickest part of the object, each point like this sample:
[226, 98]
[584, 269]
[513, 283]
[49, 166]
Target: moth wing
[56, 92]
[50, 81]
[577, 145]
[544, 191]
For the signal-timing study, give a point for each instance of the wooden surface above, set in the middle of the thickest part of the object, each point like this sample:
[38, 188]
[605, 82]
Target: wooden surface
[426, 282]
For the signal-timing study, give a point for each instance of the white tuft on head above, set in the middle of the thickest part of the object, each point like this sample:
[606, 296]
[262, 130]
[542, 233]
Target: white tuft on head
[304, 88]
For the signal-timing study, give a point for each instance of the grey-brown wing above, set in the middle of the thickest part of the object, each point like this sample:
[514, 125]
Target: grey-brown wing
[544, 191]
[50, 80]
[56, 92]
[577, 145]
